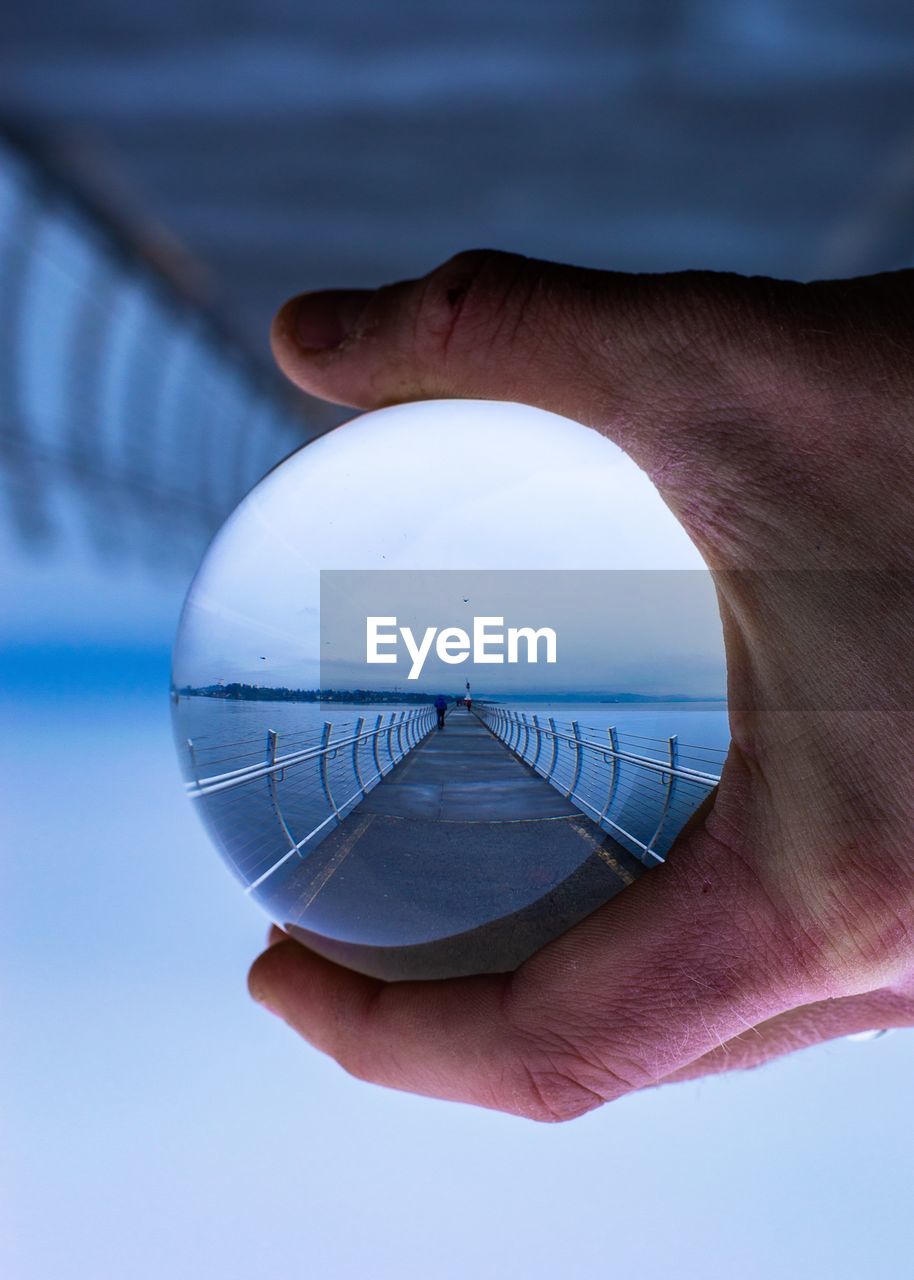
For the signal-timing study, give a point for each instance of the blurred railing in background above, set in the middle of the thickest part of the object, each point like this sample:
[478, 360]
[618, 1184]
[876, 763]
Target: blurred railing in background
[307, 781]
[640, 790]
[115, 388]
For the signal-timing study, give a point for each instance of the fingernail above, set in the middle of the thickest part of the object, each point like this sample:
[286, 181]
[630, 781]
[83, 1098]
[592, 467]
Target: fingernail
[320, 321]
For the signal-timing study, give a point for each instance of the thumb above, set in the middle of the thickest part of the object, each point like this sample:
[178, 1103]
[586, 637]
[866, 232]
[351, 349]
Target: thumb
[661, 364]
[482, 325]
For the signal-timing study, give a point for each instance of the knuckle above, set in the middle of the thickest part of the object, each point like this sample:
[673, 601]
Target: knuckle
[550, 1094]
[471, 301]
[564, 1067]
[568, 1074]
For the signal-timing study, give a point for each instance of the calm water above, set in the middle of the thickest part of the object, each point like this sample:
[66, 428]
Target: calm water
[696, 723]
[213, 721]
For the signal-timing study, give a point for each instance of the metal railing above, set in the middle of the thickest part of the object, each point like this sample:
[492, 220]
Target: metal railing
[640, 790]
[303, 782]
[127, 410]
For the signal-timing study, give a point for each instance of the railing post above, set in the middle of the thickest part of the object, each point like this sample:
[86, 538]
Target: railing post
[374, 745]
[400, 736]
[614, 775]
[668, 799]
[324, 775]
[193, 760]
[578, 759]
[356, 746]
[523, 754]
[390, 741]
[272, 745]
[555, 750]
[539, 743]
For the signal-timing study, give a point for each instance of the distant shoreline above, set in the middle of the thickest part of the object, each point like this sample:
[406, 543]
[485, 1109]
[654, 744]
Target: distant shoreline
[237, 692]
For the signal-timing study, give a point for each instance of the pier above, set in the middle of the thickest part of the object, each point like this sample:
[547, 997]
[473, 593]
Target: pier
[398, 844]
[465, 832]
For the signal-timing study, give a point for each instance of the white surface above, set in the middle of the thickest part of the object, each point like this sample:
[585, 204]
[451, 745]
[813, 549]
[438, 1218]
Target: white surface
[159, 1124]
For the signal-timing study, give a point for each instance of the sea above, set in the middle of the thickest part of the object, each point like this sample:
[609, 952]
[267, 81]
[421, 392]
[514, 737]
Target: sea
[212, 722]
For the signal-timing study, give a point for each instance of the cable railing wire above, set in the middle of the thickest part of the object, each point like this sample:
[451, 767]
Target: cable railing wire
[297, 790]
[274, 799]
[642, 796]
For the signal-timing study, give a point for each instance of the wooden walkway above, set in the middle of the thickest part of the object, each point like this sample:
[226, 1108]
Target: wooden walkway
[461, 851]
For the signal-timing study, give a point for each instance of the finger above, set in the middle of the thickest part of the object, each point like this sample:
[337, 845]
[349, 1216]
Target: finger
[443, 1039]
[644, 358]
[658, 978]
[802, 1028]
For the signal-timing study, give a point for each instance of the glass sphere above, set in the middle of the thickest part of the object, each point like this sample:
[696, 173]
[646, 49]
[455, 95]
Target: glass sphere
[447, 680]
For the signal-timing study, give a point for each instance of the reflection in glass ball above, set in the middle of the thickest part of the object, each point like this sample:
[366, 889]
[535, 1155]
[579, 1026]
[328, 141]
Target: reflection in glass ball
[447, 680]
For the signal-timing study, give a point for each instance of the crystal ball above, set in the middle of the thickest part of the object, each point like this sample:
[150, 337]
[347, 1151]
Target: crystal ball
[447, 680]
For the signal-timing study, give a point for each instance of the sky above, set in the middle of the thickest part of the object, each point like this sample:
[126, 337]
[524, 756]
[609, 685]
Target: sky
[448, 510]
[600, 630]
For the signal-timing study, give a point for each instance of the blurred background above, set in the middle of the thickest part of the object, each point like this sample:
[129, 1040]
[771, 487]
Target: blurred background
[168, 175]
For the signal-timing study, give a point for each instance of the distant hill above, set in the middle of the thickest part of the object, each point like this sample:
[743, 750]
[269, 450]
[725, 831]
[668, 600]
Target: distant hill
[262, 693]
[610, 697]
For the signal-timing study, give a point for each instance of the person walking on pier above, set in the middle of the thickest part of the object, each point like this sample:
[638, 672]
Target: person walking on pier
[441, 707]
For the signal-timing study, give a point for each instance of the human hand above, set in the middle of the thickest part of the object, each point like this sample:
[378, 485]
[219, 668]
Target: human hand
[774, 418]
